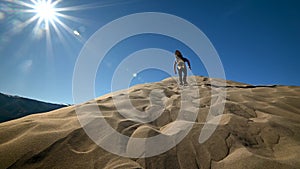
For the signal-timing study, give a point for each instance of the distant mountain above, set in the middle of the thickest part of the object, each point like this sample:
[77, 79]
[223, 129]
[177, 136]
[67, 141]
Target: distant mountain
[13, 107]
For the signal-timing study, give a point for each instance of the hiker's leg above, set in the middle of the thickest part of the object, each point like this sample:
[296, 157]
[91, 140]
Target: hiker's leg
[180, 75]
[184, 75]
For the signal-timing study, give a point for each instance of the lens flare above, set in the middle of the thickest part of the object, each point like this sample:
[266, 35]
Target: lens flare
[49, 18]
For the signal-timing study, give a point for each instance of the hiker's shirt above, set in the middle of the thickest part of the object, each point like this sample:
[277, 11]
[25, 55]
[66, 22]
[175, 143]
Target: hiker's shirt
[180, 63]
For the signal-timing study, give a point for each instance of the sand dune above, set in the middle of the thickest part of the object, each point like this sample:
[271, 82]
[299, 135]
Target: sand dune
[259, 128]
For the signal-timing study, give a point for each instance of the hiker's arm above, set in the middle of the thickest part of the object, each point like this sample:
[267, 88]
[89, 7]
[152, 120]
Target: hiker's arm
[175, 67]
[189, 64]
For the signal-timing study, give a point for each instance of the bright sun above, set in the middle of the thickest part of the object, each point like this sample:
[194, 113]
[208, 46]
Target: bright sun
[49, 18]
[45, 10]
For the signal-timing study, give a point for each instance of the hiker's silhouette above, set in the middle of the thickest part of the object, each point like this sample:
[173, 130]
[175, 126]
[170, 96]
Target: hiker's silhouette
[179, 64]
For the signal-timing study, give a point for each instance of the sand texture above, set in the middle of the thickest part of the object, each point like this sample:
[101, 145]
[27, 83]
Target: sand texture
[258, 129]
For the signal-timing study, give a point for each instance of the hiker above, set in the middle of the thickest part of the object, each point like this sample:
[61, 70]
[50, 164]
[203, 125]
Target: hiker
[181, 67]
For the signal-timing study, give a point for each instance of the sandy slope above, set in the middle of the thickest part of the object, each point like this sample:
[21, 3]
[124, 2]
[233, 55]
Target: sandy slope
[260, 128]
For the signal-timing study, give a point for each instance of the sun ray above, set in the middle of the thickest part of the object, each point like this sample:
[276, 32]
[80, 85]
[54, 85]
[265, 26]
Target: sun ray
[22, 25]
[59, 34]
[49, 18]
[66, 27]
[21, 3]
[48, 41]
[95, 5]
[72, 18]
[56, 2]
[38, 23]
[37, 31]
[29, 21]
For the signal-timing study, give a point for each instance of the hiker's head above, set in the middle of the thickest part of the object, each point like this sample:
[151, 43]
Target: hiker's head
[178, 53]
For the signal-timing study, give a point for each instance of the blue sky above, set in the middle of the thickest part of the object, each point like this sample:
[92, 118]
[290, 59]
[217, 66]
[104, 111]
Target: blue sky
[258, 42]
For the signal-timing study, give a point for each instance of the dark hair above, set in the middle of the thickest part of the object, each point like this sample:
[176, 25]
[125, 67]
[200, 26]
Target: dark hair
[178, 53]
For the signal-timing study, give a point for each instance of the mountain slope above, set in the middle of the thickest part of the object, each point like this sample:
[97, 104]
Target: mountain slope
[259, 129]
[13, 107]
